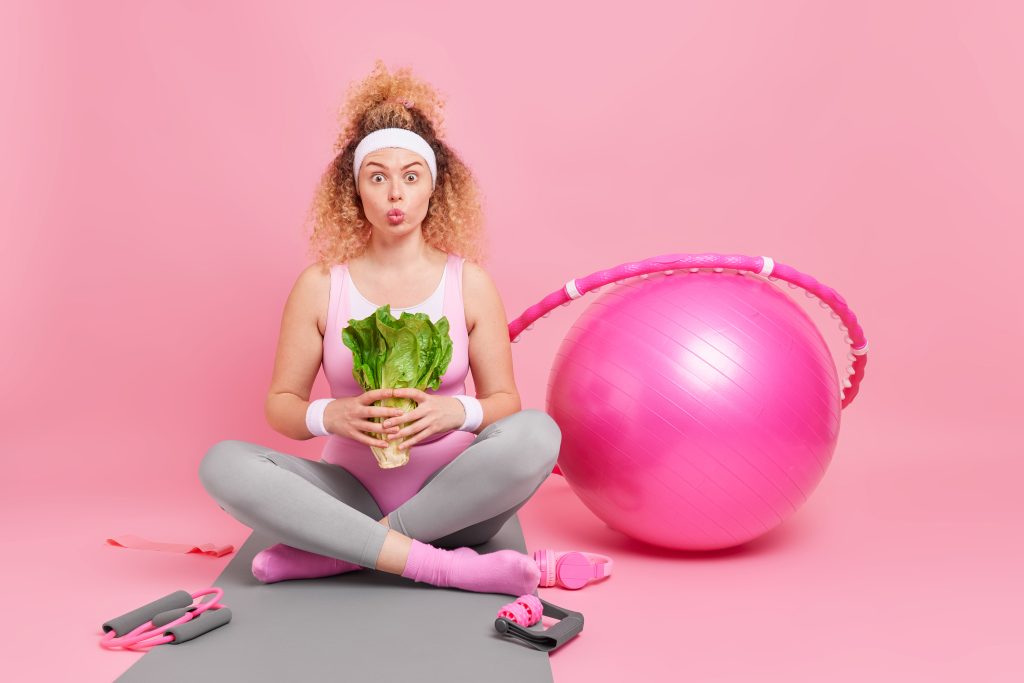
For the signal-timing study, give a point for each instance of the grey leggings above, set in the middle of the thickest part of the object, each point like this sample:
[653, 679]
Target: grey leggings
[322, 508]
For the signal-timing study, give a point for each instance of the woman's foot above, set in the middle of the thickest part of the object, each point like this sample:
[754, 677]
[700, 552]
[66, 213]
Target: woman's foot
[283, 562]
[503, 571]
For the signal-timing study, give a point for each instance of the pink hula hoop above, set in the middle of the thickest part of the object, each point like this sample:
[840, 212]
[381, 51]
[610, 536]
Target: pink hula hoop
[763, 266]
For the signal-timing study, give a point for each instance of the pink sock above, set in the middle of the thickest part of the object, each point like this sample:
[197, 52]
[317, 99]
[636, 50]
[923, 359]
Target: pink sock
[503, 571]
[283, 562]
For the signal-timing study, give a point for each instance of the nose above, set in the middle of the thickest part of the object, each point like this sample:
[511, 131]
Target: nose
[396, 191]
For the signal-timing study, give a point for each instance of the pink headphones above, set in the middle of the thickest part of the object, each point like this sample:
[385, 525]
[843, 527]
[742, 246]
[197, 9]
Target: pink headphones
[572, 570]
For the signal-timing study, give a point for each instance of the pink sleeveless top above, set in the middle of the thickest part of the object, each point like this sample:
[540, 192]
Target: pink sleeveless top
[392, 487]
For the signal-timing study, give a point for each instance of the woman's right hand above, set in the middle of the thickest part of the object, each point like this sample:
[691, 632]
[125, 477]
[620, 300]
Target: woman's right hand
[350, 416]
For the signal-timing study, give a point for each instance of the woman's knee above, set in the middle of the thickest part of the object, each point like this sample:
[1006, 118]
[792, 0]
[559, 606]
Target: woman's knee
[540, 439]
[219, 467]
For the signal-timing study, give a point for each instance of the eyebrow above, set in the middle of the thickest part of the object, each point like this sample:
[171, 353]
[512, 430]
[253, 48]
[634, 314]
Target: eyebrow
[374, 163]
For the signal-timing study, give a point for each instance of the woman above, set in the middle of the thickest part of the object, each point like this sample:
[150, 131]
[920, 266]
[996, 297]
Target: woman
[392, 211]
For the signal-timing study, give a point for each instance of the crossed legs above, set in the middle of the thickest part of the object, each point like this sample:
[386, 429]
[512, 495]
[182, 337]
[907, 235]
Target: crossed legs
[491, 479]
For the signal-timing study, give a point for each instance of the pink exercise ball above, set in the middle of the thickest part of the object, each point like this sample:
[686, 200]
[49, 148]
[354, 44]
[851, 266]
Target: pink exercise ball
[698, 410]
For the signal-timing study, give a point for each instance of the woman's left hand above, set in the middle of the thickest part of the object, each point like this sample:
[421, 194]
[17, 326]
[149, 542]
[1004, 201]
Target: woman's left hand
[433, 414]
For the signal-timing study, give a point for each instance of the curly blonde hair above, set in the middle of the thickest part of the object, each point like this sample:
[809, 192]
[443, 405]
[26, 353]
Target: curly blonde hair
[454, 220]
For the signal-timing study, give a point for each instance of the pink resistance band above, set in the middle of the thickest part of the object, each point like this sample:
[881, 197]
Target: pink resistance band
[139, 543]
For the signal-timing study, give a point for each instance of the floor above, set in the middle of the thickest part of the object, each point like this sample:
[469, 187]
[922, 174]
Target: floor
[904, 565]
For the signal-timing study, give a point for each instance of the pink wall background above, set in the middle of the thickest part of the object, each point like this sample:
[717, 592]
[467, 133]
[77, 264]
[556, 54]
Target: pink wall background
[157, 164]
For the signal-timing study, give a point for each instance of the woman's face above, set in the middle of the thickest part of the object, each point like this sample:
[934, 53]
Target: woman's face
[394, 179]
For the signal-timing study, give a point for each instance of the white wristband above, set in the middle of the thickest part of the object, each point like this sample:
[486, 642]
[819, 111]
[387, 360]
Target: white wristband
[315, 417]
[474, 413]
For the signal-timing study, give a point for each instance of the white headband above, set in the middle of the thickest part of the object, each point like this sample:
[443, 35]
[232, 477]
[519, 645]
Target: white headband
[395, 137]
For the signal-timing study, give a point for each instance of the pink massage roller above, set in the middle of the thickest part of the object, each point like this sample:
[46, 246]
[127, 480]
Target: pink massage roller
[525, 611]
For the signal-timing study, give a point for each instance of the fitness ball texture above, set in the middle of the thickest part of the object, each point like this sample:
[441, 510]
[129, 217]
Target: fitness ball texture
[698, 410]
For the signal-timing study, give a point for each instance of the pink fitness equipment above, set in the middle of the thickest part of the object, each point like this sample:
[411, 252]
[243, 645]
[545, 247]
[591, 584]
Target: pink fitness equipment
[700, 410]
[170, 619]
[515, 619]
[572, 569]
[525, 611]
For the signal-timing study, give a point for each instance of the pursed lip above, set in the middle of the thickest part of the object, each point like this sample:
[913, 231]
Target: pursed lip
[396, 212]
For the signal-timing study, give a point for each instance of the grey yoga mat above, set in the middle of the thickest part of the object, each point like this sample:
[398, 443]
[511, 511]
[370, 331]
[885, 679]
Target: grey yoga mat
[365, 625]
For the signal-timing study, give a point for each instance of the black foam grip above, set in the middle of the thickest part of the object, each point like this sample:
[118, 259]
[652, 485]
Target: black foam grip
[137, 617]
[193, 628]
[170, 615]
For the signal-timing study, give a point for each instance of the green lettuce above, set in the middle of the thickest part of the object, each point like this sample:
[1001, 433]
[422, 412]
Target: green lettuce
[411, 351]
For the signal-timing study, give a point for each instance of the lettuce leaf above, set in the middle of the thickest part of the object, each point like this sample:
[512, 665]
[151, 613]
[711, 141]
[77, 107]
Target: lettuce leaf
[411, 351]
